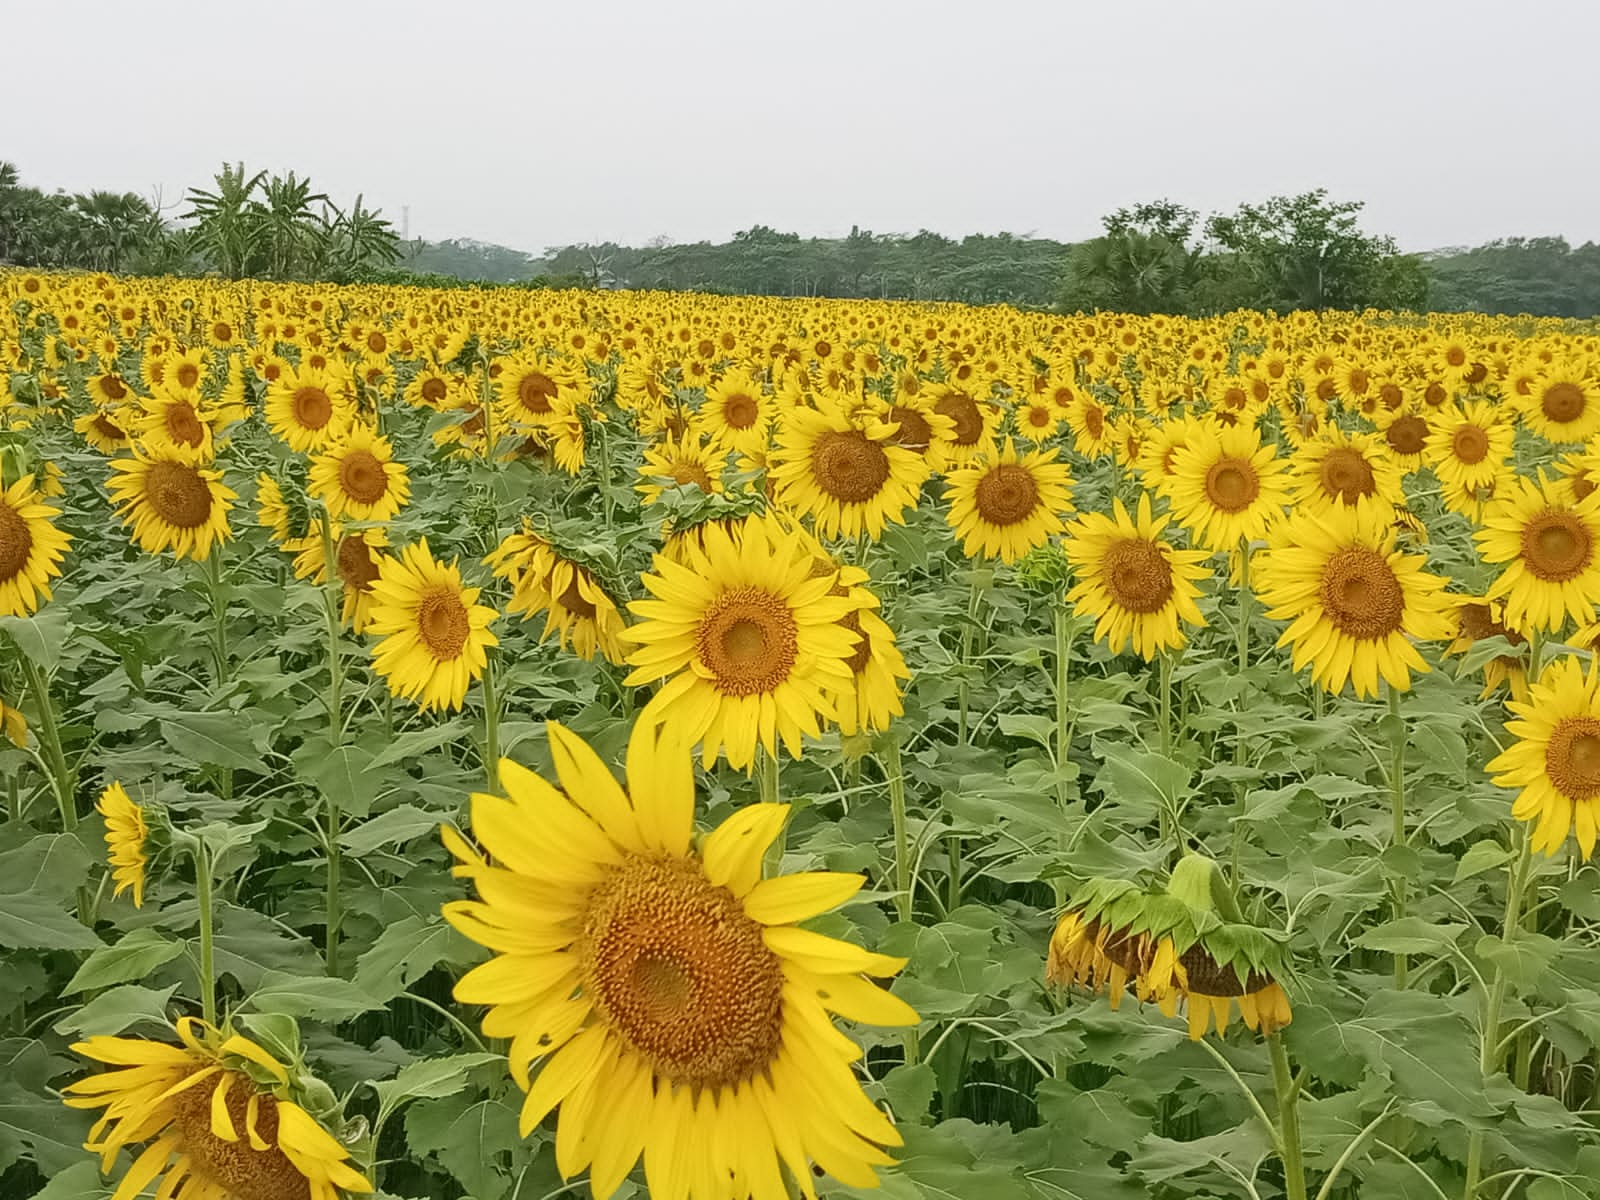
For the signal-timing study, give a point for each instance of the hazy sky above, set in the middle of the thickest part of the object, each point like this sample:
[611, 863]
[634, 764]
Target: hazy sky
[535, 124]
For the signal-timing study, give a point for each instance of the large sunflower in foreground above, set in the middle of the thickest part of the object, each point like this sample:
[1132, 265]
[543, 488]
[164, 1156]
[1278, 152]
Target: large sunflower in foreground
[1357, 605]
[1226, 486]
[171, 503]
[435, 637]
[219, 1117]
[679, 1012]
[1555, 762]
[1004, 505]
[850, 479]
[30, 549]
[1136, 586]
[1550, 547]
[746, 638]
[1563, 403]
[358, 479]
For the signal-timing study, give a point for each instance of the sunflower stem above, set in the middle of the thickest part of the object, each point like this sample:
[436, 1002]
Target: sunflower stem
[1167, 665]
[1063, 623]
[603, 444]
[968, 635]
[219, 643]
[62, 781]
[902, 857]
[1494, 1001]
[1244, 607]
[332, 594]
[767, 776]
[491, 724]
[208, 974]
[1294, 1171]
[1397, 801]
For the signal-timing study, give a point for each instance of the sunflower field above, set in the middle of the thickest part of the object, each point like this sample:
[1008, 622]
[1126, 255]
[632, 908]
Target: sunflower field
[504, 744]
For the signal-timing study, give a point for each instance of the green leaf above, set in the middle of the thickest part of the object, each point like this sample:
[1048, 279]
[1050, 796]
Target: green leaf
[38, 923]
[1145, 781]
[404, 952]
[1524, 958]
[408, 746]
[1424, 1043]
[214, 739]
[397, 825]
[40, 636]
[476, 1141]
[51, 865]
[322, 997]
[1480, 857]
[39, 1125]
[81, 1181]
[430, 1079]
[134, 957]
[1411, 935]
[345, 773]
[115, 1010]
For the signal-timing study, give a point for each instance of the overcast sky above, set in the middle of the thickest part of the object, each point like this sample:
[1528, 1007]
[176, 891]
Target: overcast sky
[537, 124]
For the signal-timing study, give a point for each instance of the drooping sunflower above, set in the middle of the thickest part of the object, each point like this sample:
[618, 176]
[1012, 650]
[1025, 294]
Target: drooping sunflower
[1563, 402]
[1477, 618]
[1339, 469]
[1136, 585]
[173, 503]
[745, 636]
[31, 548]
[675, 462]
[873, 700]
[1469, 445]
[1550, 545]
[973, 422]
[358, 478]
[126, 832]
[1226, 486]
[308, 408]
[678, 1010]
[102, 430]
[1357, 604]
[578, 609]
[220, 1116]
[435, 636]
[849, 477]
[356, 556]
[1005, 505]
[1555, 761]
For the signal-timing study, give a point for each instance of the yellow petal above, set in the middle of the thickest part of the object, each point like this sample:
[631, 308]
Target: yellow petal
[791, 898]
[733, 851]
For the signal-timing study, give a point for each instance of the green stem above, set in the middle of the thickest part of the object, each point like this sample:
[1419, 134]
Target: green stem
[64, 783]
[968, 633]
[1397, 804]
[1294, 1171]
[1244, 607]
[208, 974]
[767, 776]
[603, 444]
[1063, 623]
[902, 857]
[219, 615]
[491, 725]
[1166, 668]
[332, 595]
[1494, 1002]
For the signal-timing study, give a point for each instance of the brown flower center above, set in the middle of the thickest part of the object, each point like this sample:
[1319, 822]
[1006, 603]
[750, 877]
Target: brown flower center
[222, 332]
[962, 409]
[849, 466]
[1455, 356]
[16, 542]
[681, 974]
[1347, 474]
[1361, 595]
[107, 429]
[749, 641]
[434, 389]
[357, 568]
[178, 495]
[740, 410]
[1556, 546]
[312, 407]
[188, 375]
[915, 432]
[535, 391]
[1407, 434]
[1137, 575]
[575, 602]
[1390, 396]
[1562, 402]
[1006, 494]
[1470, 444]
[1572, 758]
[362, 476]
[183, 424]
[442, 623]
[862, 654]
[240, 1170]
[689, 471]
[113, 387]
[1232, 484]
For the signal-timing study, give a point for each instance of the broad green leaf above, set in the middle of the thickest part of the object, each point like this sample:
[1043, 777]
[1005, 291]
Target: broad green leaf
[214, 739]
[40, 636]
[1411, 935]
[1480, 857]
[431, 1078]
[116, 1009]
[38, 923]
[1426, 1046]
[80, 1181]
[322, 997]
[404, 952]
[397, 825]
[51, 865]
[133, 957]
[1523, 957]
[416, 743]
[344, 774]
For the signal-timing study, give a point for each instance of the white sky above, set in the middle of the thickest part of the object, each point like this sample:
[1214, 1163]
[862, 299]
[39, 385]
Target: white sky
[534, 124]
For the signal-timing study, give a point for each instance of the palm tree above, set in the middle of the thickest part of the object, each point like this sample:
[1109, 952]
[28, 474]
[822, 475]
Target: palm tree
[116, 225]
[287, 222]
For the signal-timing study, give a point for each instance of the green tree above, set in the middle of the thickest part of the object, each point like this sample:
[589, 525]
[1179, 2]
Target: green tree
[228, 224]
[1143, 263]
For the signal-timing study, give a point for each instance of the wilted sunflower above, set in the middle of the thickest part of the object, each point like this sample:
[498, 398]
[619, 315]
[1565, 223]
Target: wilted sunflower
[173, 503]
[1357, 605]
[1136, 586]
[679, 1010]
[1555, 762]
[747, 639]
[579, 611]
[848, 477]
[1469, 445]
[1005, 505]
[435, 637]
[308, 408]
[681, 461]
[1227, 487]
[1548, 543]
[1477, 618]
[30, 549]
[219, 1115]
[1339, 469]
[102, 430]
[358, 479]
[125, 837]
[356, 554]
[1563, 402]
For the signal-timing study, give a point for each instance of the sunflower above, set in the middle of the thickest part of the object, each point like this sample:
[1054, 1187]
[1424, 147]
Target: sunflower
[219, 1113]
[1478, 617]
[358, 479]
[173, 503]
[110, 391]
[1136, 585]
[1357, 604]
[736, 414]
[1555, 762]
[678, 1010]
[1469, 445]
[747, 639]
[13, 725]
[286, 518]
[1548, 543]
[30, 549]
[356, 555]
[1341, 470]
[849, 478]
[1406, 431]
[917, 424]
[1563, 403]
[873, 700]
[678, 462]
[435, 637]
[1090, 422]
[125, 835]
[1157, 463]
[537, 389]
[307, 408]
[173, 424]
[1227, 487]
[1004, 506]
[579, 610]
[972, 424]
[102, 430]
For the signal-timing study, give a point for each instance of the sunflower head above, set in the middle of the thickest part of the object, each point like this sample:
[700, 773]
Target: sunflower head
[31, 548]
[126, 836]
[436, 637]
